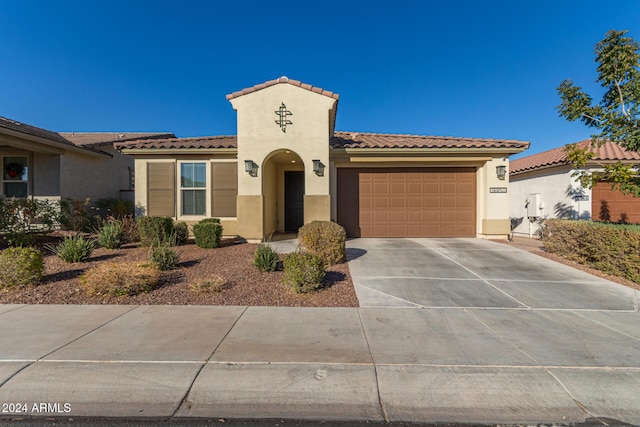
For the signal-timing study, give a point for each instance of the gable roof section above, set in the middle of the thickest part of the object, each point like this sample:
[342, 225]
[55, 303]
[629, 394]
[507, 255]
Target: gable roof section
[608, 152]
[100, 139]
[285, 80]
[32, 130]
[348, 140]
[340, 140]
[44, 136]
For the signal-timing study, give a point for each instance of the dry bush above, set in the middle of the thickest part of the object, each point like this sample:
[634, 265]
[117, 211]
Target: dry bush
[325, 239]
[611, 248]
[120, 279]
[213, 283]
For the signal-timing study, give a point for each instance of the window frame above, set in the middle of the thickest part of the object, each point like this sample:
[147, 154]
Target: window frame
[206, 189]
[28, 174]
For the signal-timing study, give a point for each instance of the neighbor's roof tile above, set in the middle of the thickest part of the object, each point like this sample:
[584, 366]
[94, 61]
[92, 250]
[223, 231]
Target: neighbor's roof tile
[32, 130]
[94, 139]
[606, 152]
[286, 80]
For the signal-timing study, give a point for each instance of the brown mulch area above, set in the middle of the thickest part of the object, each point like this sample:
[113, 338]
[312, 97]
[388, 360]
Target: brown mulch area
[537, 247]
[245, 285]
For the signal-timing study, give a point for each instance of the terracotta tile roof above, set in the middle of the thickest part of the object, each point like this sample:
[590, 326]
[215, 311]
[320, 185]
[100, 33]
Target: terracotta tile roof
[283, 79]
[32, 130]
[95, 139]
[607, 152]
[339, 140]
[379, 140]
[202, 142]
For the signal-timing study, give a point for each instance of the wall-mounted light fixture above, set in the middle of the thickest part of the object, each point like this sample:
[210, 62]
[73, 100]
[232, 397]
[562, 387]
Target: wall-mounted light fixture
[501, 171]
[250, 168]
[318, 167]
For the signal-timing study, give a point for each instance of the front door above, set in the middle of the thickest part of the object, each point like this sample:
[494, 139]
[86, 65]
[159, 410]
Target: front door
[293, 200]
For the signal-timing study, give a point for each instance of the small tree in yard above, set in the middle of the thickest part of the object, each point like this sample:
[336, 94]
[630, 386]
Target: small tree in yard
[616, 116]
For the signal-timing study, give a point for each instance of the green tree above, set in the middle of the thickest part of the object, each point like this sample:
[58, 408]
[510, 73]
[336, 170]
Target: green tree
[616, 116]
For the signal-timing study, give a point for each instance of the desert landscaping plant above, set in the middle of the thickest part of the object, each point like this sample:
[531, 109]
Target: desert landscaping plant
[20, 267]
[120, 279]
[117, 208]
[181, 232]
[303, 272]
[111, 235]
[155, 229]
[266, 259]
[325, 239]
[611, 248]
[21, 220]
[75, 248]
[164, 256]
[213, 283]
[208, 233]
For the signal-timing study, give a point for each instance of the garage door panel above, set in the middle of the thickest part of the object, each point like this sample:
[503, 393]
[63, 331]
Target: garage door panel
[614, 206]
[408, 202]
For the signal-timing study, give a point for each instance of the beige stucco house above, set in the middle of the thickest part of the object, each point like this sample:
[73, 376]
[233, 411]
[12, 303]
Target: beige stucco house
[287, 166]
[43, 164]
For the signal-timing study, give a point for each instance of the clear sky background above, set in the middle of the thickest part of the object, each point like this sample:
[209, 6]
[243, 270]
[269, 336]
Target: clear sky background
[484, 69]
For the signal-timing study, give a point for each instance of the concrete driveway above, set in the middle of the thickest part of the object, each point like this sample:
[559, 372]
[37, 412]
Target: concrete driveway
[479, 324]
[474, 273]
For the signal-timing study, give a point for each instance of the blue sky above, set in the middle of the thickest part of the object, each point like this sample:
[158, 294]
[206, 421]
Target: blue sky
[458, 68]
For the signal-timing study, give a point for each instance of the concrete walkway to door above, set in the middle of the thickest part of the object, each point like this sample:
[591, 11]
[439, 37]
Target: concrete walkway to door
[473, 326]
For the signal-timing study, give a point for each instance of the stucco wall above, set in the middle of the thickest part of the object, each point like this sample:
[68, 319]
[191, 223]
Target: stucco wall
[259, 135]
[46, 175]
[93, 177]
[556, 188]
[493, 208]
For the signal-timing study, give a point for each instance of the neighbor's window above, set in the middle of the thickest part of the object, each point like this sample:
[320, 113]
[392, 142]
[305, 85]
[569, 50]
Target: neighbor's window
[15, 176]
[193, 186]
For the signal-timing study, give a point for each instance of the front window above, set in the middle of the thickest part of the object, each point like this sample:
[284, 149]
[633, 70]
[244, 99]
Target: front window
[15, 176]
[193, 184]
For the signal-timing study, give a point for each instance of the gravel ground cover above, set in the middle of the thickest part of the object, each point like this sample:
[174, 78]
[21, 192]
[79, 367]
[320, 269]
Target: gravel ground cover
[244, 284]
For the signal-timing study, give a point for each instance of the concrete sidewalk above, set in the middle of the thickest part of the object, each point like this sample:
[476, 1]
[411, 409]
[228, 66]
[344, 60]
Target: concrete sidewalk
[410, 364]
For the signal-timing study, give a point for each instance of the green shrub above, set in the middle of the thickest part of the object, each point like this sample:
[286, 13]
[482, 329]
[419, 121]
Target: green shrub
[265, 259]
[20, 267]
[207, 234]
[181, 232]
[21, 220]
[611, 248]
[208, 220]
[325, 239]
[117, 208]
[73, 248]
[110, 235]
[164, 257]
[120, 279]
[155, 229]
[304, 272]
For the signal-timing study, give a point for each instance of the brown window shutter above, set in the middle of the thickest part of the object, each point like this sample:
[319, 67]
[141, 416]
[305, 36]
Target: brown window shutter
[161, 191]
[224, 189]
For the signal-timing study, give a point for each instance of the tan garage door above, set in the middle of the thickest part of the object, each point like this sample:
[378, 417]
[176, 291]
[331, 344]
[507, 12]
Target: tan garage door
[613, 206]
[407, 202]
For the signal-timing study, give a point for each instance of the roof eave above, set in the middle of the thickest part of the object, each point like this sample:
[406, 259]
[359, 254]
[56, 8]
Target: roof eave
[438, 150]
[59, 145]
[134, 151]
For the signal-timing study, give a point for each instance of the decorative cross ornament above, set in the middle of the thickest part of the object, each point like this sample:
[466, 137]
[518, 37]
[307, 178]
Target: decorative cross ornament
[282, 114]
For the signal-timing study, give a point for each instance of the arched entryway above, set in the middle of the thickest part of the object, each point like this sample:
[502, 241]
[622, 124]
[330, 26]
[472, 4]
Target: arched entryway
[283, 192]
